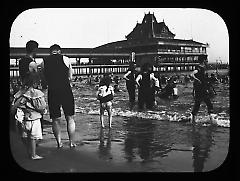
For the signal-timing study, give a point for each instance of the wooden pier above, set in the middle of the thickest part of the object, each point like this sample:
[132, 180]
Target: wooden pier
[83, 70]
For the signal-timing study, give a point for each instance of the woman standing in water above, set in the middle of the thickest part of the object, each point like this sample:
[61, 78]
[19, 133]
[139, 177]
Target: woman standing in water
[130, 82]
[147, 85]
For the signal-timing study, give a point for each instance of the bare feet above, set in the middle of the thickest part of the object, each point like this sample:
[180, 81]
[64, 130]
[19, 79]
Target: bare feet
[72, 145]
[60, 145]
[36, 157]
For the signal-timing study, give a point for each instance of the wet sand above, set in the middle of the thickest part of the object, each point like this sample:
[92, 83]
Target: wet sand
[79, 159]
[138, 151]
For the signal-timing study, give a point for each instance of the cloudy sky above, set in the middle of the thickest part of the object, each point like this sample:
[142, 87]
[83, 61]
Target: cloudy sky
[91, 27]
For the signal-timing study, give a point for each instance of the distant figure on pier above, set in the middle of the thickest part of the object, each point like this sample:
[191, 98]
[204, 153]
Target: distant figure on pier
[201, 90]
[105, 95]
[130, 77]
[147, 84]
[58, 74]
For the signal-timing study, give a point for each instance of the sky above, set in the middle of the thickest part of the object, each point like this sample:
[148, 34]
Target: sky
[92, 27]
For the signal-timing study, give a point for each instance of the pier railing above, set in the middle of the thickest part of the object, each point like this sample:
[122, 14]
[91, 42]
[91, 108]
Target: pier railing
[99, 69]
[83, 70]
[86, 70]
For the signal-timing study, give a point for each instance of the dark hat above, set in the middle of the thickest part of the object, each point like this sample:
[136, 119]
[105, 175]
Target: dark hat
[31, 46]
[55, 47]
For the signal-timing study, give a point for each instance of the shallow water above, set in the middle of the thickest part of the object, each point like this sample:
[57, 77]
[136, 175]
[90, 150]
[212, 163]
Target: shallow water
[155, 141]
[155, 146]
[167, 110]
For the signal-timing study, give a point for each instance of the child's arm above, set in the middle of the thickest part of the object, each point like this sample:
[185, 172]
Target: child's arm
[156, 81]
[138, 78]
[112, 90]
[98, 92]
[17, 102]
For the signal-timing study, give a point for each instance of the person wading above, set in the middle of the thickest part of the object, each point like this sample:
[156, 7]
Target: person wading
[131, 83]
[200, 91]
[145, 83]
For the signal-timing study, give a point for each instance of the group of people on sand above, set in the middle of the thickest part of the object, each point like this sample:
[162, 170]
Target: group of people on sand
[29, 105]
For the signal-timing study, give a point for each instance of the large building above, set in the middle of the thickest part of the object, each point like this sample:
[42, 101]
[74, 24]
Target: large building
[152, 41]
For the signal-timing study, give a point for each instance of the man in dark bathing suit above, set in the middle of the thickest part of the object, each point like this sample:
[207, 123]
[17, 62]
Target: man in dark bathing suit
[201, 91]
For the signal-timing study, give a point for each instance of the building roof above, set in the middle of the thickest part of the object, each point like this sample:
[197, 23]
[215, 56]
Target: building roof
[122, 46]
[150, 28]
[148, 33]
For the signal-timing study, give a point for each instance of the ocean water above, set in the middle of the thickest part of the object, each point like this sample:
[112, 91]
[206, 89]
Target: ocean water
[166, 110]
[159, 140]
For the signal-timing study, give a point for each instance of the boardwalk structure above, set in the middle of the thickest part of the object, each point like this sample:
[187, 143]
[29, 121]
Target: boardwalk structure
[150, 41]
[153, 42]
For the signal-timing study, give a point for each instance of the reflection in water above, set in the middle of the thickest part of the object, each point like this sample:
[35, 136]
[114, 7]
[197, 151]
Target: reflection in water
[141, 140]
[105, 148]
[147, 140]
[151, 136]
[202, 141]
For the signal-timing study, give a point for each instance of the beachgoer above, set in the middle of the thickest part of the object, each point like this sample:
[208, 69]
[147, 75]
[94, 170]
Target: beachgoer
[76, 79]
[27, 64]
[28, 115]
[58, 74]
[116, 81]
[201, 91]
[147, 84]
[105, 95]
[213, 78]
[89, 80]
[130, 77]
[170, 90]
[186, 79]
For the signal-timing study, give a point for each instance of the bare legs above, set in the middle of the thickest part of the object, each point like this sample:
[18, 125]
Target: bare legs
[101, 117]
[57, 131]
[197, 103]
[70, 129]
[30, 145]
[106, 106]
[109, 117]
